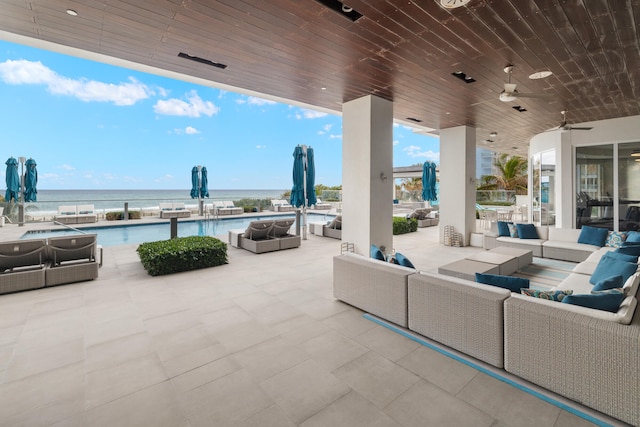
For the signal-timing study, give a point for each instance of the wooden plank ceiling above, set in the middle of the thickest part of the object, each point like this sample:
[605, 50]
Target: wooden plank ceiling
[401, 50]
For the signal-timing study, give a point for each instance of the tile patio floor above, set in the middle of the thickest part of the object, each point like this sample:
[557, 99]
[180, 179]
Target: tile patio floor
[257, 342]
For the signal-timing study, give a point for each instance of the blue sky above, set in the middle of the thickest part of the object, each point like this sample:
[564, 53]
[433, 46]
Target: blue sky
[95, 126]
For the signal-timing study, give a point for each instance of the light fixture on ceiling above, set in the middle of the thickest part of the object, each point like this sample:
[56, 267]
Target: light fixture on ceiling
[493, 134]
[507, 96]
[542, 74]
[346, 9]
[452, 4]
[72, 12]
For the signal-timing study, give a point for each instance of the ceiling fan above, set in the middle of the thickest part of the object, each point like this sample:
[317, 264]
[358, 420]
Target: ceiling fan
[564, 126]
[510, 93]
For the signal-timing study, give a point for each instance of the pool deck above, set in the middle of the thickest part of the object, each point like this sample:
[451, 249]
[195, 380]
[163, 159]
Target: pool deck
[260, 341]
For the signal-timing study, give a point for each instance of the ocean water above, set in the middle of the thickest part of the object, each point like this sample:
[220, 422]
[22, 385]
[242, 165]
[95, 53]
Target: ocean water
[49, 200]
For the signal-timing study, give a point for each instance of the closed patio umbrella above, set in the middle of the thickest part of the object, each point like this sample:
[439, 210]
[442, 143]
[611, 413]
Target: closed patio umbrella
[204, 183]
[30, 181]
[429, 181]
[297, 192]
[311, 178]
[12, 180]
[195, 185]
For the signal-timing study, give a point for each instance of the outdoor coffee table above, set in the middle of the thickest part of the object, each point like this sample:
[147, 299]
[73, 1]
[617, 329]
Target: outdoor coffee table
[467, 269]
[525, 257]
[507, 264]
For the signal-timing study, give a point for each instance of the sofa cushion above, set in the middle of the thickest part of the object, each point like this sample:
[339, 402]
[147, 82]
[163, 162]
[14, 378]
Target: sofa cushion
[615, 239]
[608, 267]
[376, 253]
[629, 249]
[503, 229]
[605, 300]
[557, 295]
[593, 235]
[513, 230]
[633, 237]
[608, 283]
[514, 284]
[578, 283]
[527, 231]
[621, 256]
[404, 261]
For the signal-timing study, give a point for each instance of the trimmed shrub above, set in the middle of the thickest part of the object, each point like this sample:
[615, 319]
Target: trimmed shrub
[182, 254]
[115, 216]
[404, 225]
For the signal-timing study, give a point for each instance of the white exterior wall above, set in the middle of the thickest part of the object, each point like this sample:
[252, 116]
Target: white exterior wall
[457, 181]
[367, 153]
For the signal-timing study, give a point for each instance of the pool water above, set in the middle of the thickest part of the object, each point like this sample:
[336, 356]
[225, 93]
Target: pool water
[133, 234]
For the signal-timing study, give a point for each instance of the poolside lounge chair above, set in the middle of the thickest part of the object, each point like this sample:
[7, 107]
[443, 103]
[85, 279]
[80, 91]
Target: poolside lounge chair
[229, 208]
[281, 205]
[321, 205]
[22, 265]
[86, 214]
[173, 210]
[280, 231]
[334, 228]
[72, 259]
[256, 237]
[67, 215]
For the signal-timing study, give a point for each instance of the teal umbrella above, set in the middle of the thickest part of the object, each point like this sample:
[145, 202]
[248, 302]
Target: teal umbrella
[311, 178]
[30, 181]
[195, 184]
[429, 181]
[204, 184]
[12, 180]
[297, 192]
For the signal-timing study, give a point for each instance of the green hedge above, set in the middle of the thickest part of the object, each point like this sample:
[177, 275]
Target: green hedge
[114, 216]
[404, 225]
[182, 254]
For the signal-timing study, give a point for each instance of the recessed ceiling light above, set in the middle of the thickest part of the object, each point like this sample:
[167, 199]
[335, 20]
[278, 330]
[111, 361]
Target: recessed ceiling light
[346, 9]
[493, 134]
[72, 12]
[323, 88]
[543, 74]
[447, 113]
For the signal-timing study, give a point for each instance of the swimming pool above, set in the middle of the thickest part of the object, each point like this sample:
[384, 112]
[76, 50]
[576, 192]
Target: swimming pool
[132, 234]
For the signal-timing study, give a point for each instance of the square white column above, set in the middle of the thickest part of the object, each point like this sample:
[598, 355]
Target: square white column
[367, 173]
[457, 181]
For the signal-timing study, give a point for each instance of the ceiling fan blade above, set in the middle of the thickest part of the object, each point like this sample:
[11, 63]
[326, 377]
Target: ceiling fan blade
[509, 87]
[533, 95]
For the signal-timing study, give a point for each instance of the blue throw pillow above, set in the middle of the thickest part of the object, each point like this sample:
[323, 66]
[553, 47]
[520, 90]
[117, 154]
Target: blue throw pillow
[514, 284]
[607, 301]
[633, 237]
[621, 256]
[608, 267]
[376, 253]
[527, 231]
[608, 283]
[593, 235]
[404, 261]
[629, 250]
[503, 228]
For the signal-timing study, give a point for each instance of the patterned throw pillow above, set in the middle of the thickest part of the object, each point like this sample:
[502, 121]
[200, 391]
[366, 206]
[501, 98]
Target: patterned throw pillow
[548, 295]
[615, 239]
[513, 230]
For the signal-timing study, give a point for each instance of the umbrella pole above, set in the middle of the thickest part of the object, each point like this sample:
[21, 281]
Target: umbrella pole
[304, 183]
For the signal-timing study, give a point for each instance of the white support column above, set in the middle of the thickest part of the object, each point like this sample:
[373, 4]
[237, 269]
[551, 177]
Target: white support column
[367, 173]
[457, 181]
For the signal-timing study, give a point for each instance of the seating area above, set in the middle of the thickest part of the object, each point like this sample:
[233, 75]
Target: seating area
[173, 210]
[38, 263]
[76, 214]
[581, 348]
[281, 205]
[226, 207]
[332, 229]
[265, 236]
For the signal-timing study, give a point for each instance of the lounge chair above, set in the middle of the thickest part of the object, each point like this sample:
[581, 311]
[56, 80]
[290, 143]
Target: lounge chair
[280, 231]
[256, 237]
[173, 210]
[321, 205]
[86, 214]
[22, 265]
[66, 215]
[72, 259]
[334, 228]
[281, 205]
[230, 208]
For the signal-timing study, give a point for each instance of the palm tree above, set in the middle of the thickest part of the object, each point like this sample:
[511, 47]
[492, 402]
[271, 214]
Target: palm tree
[512, 175]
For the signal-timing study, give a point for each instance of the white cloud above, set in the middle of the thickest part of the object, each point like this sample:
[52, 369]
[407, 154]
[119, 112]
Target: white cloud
[309, 114]
[67, 167]
[396, 142]
[327, 127]
[191, 130]
[415, 151]
[22, 71]
[333, 136]
[194, 108]
[261, 146]
[259, 101]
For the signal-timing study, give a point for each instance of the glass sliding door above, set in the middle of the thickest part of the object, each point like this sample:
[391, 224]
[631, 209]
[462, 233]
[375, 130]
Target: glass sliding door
[595, 186]
[629, 186]
[544, 191]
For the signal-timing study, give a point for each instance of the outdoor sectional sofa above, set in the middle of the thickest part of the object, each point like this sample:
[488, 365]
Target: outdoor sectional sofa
[37, 263]
[587, 355]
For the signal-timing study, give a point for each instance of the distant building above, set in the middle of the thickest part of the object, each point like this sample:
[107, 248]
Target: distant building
[485, 162]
